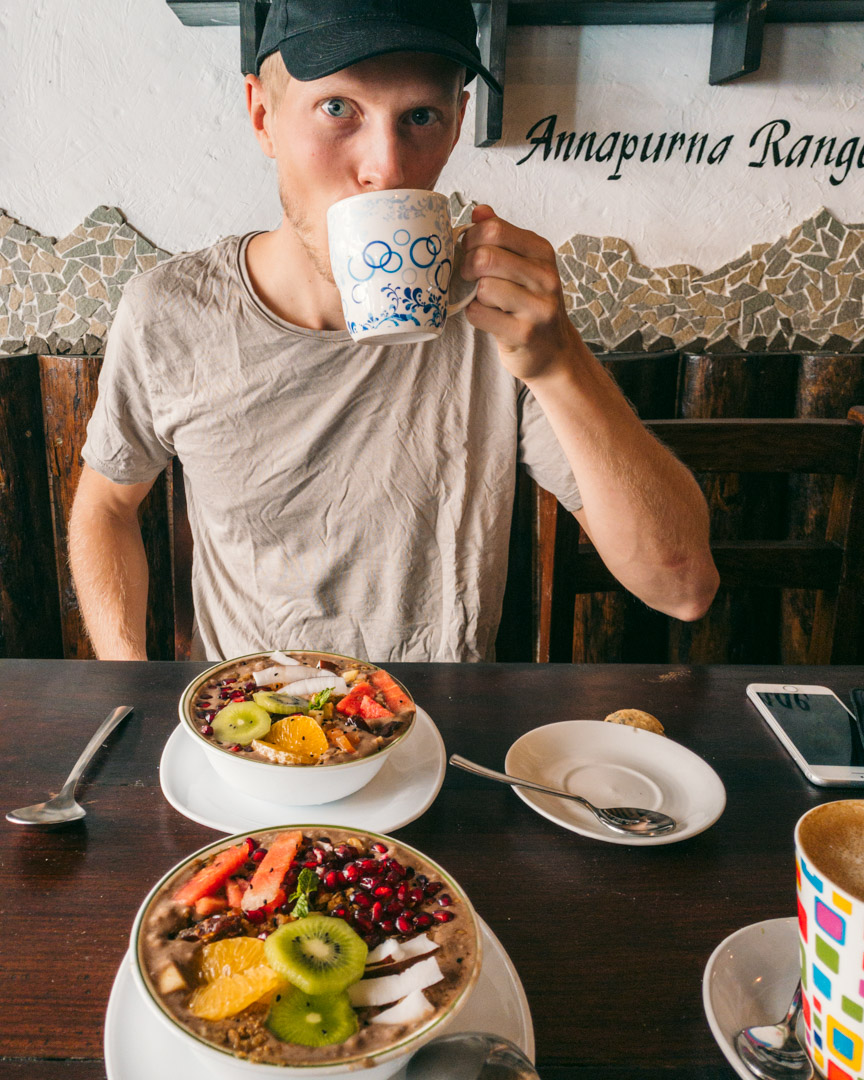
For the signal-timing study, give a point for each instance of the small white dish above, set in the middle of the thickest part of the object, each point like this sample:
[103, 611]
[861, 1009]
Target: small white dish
[139, 1047]
[405, 788]
[616, 765]
[750, 979]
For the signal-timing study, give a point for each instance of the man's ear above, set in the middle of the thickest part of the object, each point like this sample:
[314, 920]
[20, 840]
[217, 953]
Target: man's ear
[259, 114]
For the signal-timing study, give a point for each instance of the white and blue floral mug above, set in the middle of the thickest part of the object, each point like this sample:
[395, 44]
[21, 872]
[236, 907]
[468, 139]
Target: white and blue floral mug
[391, 253]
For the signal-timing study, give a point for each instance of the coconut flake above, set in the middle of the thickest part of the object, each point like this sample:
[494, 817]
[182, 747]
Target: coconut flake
[319, 683]
[284, 659]
[393, 987]
[412, 1007]
[391, 949]
[286, 675]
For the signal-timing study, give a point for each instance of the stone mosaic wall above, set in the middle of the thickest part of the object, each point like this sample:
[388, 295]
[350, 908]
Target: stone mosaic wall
[803, 292]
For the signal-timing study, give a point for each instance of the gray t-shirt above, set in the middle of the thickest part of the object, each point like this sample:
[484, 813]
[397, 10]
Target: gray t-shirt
[342, 497]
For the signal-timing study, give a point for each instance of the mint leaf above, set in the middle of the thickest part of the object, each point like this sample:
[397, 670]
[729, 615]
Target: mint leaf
[319, 700]
[307, 884]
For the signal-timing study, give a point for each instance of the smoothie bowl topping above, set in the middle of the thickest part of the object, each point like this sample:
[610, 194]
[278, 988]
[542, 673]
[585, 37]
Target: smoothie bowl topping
[298, 708]
[308, 946]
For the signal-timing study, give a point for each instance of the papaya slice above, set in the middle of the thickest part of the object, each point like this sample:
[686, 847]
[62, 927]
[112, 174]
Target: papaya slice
[267, 879]
[213, 876]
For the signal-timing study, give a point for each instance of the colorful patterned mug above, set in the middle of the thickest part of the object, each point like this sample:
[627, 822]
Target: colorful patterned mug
[392, 257]
[829, 866]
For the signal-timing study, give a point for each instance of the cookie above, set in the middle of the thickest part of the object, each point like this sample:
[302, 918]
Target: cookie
[636, 718]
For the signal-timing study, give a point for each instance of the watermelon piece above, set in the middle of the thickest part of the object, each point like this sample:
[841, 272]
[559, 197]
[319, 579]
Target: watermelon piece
[350, 705]
[371, 710]
[267, 879]
[394, 695]
[213, 876]
[234, 889]
[209, 905]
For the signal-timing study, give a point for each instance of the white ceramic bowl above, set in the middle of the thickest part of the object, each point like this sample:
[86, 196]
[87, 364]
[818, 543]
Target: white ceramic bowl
[290, 785]
[376, 1066]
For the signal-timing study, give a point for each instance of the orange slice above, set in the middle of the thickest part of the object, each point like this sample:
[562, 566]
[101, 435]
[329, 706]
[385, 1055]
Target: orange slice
[300, 736]
[228, 995]
[230, 956]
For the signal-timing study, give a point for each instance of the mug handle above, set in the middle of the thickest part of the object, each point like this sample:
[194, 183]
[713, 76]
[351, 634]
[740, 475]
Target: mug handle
[466, 300]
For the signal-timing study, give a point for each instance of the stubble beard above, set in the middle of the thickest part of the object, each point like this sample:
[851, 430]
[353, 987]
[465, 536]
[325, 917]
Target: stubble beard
[305, 233]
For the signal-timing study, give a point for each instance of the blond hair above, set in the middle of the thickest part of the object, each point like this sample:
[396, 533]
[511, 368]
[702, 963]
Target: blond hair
[274, 78]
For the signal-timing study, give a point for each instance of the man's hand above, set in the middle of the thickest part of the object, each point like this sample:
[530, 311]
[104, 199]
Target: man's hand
[519, 297]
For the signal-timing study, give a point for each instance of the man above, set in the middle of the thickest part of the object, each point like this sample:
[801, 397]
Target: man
[344, 496]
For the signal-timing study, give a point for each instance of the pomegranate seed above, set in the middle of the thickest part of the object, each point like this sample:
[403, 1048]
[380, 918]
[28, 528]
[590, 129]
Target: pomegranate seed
[236, 748]
[339, 912]
[351, 872]
[416, 896]
[384, 892]
[318, 855]
[333, 878]
[369, 866]
[365, 923]
[387, 925]
[253, 843]
[310, 864]
[377, 911]
[248, 749]
[423, 920]
[258, 855]
[403, 925]
[394, 867]
[224, 694]
[238, 696]
[368, 882]
[361, 900]
[206, 729]
[345, 851]
[394, 907]
[380, 848]
[402, 891]
[442, 916]
[433, 887]
[445, 900]
[255, 916]
[392, 878]
[250, 686]
[422, 881]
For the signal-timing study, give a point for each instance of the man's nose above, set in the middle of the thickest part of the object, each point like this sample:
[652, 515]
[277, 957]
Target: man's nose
[383, 162]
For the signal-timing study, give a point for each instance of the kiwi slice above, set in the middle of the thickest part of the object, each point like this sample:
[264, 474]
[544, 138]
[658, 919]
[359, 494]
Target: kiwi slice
[319, 954]
[281, 704]
[241, 722]
[311, 1019]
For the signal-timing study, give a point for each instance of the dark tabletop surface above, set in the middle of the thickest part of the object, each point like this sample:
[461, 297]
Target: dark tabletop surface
[610, 941]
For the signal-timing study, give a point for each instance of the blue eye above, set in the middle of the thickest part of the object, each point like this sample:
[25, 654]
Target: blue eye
[421, 117]
[336, 107]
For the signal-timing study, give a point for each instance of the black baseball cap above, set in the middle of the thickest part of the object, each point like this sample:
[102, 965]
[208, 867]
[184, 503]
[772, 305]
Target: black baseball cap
[318, 37]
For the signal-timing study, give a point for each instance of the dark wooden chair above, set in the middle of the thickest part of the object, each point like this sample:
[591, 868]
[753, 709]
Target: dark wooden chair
[569, 566]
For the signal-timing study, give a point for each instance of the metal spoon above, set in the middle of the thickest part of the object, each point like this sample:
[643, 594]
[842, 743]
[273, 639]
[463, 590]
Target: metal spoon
[622, 819]
[470, 1055]
[772, 1051]
[63, 808]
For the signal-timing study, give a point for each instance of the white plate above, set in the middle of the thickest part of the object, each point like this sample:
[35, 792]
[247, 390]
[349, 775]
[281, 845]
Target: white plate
[750, 979]
[616, 765]
[405, 788]
[138, 1046]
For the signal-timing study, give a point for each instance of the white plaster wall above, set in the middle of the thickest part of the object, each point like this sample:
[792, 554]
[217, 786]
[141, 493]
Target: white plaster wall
[116, 102]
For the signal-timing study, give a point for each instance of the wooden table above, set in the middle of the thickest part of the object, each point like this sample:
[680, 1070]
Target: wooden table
[610, 941]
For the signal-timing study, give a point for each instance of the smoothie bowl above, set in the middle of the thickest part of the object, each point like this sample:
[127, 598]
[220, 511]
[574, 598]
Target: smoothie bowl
[298, 727]
[306, 951]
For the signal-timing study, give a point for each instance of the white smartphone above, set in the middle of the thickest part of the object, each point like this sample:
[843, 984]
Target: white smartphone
[817, 729]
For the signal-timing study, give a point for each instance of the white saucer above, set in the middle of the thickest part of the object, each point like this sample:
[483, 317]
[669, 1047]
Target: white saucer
[404, 789]
[616, 765]
[138, 1046]
[750, 979]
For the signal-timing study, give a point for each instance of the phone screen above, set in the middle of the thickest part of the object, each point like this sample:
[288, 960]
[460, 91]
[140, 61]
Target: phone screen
[822, 729]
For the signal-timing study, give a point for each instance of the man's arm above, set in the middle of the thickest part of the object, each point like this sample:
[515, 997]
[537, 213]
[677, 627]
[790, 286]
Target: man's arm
[109, 566]
[642, 508]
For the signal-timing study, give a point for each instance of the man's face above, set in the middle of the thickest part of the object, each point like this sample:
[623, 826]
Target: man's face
[389, 122]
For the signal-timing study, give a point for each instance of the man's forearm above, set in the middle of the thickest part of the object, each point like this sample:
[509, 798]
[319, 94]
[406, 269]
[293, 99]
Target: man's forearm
[109, 568]
[643, 509]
